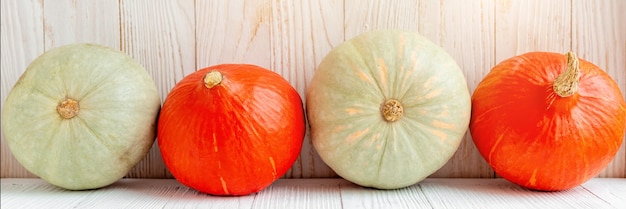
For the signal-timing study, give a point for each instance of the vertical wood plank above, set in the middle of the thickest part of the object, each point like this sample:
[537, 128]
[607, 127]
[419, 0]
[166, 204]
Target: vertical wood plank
[235, 31]
[465, 30]
[523, 26]
[21, 34]
[67, 22]
[302, 33]
[160, 35]
[363, 16]
[599, 36]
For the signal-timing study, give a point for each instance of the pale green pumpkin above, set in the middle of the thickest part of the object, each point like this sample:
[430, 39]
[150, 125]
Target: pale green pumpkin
[81, 116]
[387, 108]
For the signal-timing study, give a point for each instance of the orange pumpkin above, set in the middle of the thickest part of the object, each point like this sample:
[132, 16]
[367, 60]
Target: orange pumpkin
[231, 129]
[546, 121]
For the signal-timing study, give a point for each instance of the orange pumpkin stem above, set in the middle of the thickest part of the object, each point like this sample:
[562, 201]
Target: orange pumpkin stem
[392, 110]
[68, 108]
[566, 84]
[212, 79]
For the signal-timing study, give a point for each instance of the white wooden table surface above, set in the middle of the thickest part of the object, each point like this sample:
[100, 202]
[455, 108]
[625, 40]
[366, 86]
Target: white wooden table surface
[316, 193]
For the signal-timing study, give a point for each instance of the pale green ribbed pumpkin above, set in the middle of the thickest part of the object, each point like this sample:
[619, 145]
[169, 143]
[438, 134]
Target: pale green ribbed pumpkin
[81, 116]
[387, 108]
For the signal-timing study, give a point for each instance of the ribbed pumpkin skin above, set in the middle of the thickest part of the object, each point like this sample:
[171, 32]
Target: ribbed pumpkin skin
[344, 102]
[113, 130]
[235, 138]
[537, 139]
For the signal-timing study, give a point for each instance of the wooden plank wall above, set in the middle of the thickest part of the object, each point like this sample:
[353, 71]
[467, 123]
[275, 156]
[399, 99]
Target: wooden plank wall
[174, 38]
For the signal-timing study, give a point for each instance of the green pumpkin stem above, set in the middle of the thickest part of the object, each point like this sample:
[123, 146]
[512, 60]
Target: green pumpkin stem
[392, 110]
[212, 79]
[68, 108]
[566, 84]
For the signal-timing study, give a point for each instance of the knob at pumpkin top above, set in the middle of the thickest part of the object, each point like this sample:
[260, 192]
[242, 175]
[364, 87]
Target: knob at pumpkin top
[212, 78]
[68, 108]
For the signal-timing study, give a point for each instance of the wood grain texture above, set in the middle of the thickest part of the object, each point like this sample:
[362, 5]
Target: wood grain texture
[502, 194]
[302, 33]
[174, 38]
[363, 16]
[316, 193]
[465, 30]
[95, 21]
[354, 196]
[160, 35]
[235, 31]
[22, 40]
[524, 26]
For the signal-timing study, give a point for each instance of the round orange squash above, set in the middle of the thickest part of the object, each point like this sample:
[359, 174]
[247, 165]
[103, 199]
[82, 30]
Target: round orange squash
[231, 129]
[547, 121]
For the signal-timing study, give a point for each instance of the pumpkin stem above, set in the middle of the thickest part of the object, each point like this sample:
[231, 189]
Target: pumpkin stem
[566, 84]
[68, 108]
[212, 79]
[392, 110]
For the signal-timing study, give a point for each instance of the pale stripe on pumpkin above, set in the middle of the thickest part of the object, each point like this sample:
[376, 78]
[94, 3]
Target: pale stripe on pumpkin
[224, 187]
[382, 74]
[351, 139]
[273, 166]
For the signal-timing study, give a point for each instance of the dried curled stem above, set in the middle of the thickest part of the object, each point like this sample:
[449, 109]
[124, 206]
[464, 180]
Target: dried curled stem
[566, 84]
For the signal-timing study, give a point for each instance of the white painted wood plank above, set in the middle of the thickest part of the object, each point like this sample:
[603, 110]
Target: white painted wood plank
[160, 35]
[126, 193]
[354, 196]
[610, 190]
[465, 29]
[498, 193]
[599, 36]
[315, 193]
[363, 16]
[95, 21]
[235, 31]
[522, 26]
[300, 193]
[21, 35]
[301, 34]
